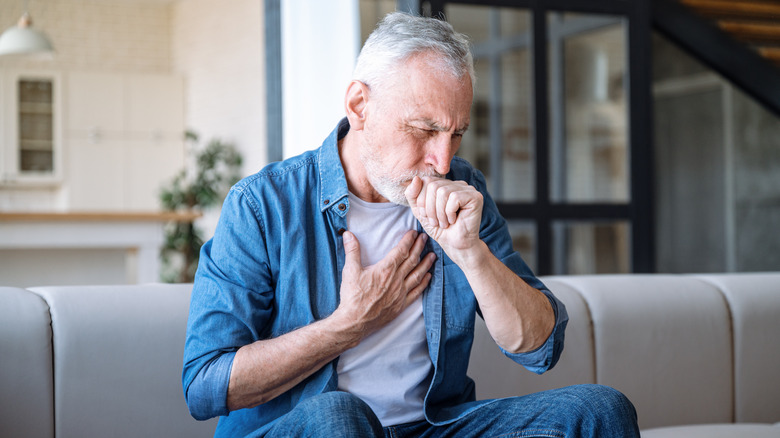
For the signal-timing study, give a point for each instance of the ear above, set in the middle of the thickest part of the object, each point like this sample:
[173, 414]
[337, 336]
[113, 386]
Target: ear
[355, 104]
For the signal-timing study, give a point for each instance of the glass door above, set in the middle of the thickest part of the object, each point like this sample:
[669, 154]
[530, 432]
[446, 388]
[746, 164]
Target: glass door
[567, 157]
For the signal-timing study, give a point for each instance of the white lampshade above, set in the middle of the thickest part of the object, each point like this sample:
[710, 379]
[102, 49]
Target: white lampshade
[23, 39]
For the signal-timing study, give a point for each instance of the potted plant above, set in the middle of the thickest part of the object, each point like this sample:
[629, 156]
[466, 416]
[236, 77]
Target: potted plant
[215, 168]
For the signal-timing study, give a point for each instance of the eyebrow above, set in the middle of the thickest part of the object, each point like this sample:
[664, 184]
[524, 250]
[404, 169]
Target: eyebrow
[436, 127]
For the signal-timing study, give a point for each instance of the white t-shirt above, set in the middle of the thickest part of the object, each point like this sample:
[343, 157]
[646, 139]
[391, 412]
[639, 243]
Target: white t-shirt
[390, 369]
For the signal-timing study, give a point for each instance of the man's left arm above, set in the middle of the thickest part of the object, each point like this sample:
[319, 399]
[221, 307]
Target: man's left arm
[519, 317]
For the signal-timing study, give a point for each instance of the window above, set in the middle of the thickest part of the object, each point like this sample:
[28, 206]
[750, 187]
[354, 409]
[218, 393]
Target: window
[36, 125]
[567, 158]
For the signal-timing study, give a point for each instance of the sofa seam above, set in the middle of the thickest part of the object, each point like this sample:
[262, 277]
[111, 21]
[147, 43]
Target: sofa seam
[53, 403]
[730, 313]
[591, 324]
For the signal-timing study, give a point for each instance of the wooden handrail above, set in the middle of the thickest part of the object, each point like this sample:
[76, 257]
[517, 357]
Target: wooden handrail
[746, 31]
[736, 9]
[770, 53]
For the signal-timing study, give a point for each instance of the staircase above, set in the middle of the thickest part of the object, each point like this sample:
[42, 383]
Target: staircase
[740, 39]
[755, 23]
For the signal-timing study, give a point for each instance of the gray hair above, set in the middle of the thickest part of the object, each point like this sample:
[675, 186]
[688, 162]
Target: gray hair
[399, 36]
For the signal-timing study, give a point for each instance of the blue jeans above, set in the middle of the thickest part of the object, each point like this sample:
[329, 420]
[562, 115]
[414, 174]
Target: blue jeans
[574, 411]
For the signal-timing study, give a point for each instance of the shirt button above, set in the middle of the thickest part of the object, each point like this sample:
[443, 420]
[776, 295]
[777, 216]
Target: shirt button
[341, 231]
[326, 202]
[342, 207]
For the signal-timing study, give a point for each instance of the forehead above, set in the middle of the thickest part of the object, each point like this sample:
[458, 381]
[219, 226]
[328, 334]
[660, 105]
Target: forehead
[426, 89]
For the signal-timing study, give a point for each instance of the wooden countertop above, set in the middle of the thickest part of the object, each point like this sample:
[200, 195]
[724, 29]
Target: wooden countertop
[96, 216]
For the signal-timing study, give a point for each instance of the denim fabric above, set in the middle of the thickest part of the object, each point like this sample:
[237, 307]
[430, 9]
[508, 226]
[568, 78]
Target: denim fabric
[274, 265]
[575, 411]
[330, 414]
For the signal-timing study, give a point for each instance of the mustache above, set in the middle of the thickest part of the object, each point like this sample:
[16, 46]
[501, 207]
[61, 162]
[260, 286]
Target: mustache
[407, 177]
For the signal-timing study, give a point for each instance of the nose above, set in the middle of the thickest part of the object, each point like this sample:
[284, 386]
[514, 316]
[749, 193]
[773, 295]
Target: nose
[440, 150]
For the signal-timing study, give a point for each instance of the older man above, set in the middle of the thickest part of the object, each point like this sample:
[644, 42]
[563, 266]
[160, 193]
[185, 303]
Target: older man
[339, 292]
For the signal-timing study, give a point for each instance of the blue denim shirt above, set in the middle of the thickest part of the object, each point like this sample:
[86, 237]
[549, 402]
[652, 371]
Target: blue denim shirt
[274, 265]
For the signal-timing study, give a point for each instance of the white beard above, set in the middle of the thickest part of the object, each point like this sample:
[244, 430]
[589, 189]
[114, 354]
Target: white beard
[391, 187]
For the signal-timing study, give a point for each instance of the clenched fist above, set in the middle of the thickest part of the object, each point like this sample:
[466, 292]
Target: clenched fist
[449, 211]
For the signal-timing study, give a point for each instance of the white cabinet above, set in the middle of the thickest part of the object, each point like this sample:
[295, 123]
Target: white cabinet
[30, 128]
[124, 139]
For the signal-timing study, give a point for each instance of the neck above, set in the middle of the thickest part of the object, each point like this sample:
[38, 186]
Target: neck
[355, 172]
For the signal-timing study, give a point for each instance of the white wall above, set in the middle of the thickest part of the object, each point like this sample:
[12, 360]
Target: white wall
[96, 35]
[219, 47]
[320, 43]
[88, 36]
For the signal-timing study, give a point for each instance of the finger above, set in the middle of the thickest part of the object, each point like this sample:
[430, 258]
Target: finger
[452, 206]
[413, 257]
[351, 250]
[415, 292]
[442, 199]
[419, 245]
[400, 252]
[413, 191]
[430, 203]
[418, 272]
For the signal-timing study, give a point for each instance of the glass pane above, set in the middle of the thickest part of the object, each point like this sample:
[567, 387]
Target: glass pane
[517, 143]
[499, 141]
[524, 240]
[690, 222]
[475, 147]
[36, 126]
[717, 170]
[591, 247]
[589, 109]
[514, 22]
[472, 20]
[371, 12]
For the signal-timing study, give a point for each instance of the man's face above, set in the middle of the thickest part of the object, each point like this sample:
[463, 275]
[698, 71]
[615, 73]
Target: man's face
[415, 127]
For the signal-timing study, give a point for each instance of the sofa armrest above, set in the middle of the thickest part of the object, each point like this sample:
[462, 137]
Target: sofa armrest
[26, 376]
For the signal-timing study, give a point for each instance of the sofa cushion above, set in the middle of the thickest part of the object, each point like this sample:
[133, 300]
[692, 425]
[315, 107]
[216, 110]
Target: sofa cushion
[497, 376]
[26, 376]
[754, 300]
[665, 342]
[715, 431]
[118, 352]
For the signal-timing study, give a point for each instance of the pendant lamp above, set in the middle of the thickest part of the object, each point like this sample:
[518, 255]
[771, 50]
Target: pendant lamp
[23, 39]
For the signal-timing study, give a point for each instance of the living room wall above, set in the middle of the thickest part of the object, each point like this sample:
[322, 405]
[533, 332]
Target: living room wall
[217, 48]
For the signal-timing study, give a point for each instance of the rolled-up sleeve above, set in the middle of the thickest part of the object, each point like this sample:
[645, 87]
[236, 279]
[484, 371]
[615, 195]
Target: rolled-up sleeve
[207, 393]
[495, 234]
[230, 307]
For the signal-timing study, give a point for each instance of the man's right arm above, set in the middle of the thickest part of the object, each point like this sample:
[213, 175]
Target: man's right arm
[370, 298]
[264, 369]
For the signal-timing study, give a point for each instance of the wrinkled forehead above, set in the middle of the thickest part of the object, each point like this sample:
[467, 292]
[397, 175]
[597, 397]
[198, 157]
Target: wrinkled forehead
[440, 99]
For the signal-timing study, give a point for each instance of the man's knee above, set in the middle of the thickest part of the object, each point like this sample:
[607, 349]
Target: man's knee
[606, 398]
[336, 411]
[335, 402]
[600, 405]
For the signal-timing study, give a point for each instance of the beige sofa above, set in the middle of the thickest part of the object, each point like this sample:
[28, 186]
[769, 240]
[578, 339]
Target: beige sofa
[699, 356]
[102, 361]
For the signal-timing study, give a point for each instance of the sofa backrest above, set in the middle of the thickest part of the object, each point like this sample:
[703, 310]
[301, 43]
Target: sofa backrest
[118, 358]
[754, 301]
[684, 349]
[665, 342]
[497, 376]
[106, 360]
[26, 387]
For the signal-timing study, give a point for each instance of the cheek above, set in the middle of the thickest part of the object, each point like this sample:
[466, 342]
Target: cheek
[407, 151]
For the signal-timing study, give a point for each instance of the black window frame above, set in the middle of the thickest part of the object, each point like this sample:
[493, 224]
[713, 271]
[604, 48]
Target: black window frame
[638, 212]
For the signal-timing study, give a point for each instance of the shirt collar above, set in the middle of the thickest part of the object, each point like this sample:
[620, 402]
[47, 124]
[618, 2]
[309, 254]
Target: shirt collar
[333, 181]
